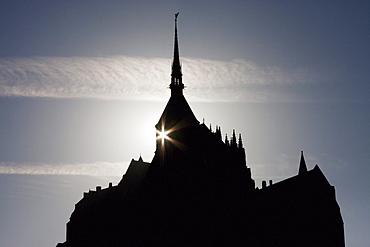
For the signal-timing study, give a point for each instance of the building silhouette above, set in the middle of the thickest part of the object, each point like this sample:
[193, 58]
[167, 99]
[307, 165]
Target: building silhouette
[198, 191]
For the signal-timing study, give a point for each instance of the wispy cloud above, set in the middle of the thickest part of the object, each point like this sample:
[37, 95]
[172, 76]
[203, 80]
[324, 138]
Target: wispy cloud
[92, 169]
[137, 78]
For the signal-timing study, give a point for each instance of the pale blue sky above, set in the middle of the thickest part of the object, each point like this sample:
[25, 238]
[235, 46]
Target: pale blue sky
[82, 84]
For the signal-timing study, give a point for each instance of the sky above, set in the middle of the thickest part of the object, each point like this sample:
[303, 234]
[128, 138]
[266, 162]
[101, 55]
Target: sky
[82, 84]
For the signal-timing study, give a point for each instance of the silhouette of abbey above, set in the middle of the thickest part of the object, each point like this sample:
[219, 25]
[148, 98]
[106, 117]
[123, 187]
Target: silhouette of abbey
[198, 191]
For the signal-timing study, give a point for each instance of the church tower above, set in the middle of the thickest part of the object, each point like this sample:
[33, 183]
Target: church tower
[177, 115]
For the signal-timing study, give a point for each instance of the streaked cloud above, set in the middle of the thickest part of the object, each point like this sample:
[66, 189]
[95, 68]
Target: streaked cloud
[92, 169]
[137, 78]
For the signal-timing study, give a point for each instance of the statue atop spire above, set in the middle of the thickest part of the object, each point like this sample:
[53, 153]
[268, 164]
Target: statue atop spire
[176, 85]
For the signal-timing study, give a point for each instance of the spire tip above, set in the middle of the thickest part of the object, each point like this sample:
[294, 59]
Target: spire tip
[302, 165]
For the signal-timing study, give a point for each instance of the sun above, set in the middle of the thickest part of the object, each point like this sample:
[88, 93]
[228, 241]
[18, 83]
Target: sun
[162, 134]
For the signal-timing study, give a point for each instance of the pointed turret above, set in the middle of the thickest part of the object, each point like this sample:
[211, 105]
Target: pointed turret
[240, 144]
[302, 165]
[233, 140]
[218, 132]
[226, 140]
[176, 85]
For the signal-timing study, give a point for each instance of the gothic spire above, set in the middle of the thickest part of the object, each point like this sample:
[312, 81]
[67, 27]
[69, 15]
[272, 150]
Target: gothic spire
[240, 144]
[226, 140]
[302, 165]
[218, 132]
[233, 140]
[176, 85]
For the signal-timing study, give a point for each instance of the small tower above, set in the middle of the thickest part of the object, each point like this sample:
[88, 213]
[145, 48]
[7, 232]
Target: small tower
[218, 132]
[177, 115]
[302, 165]
[240, 143]
[233, 140]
